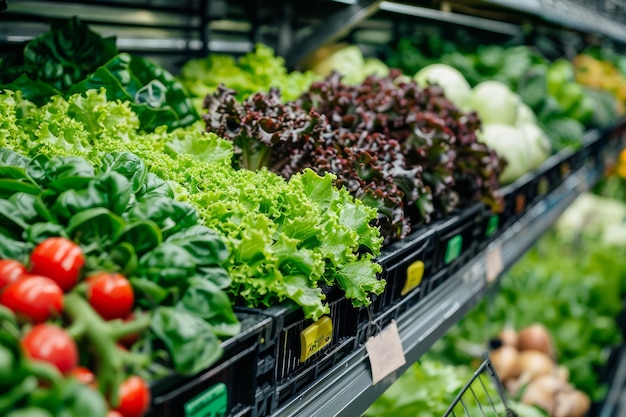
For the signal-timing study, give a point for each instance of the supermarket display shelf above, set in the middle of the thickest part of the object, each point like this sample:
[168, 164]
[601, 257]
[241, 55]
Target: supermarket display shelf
[347, 390]
[573, 15]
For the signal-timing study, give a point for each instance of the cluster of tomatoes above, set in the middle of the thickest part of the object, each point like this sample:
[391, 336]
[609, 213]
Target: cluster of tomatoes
[35, 293]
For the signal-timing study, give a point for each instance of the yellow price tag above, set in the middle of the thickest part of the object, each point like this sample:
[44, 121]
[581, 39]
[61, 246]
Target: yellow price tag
[315, 337]
[414, 275]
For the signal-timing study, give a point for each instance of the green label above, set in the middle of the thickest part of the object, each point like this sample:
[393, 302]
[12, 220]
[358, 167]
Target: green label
[211, 403]
[492, 225]
[454, 248]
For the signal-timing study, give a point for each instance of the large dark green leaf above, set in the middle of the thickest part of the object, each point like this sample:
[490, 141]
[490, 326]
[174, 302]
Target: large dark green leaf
[11, 158]
[155, 95]
[155, 186]
[111, 191]
[25, 203]
[168, 265]
[66, 54]
[207, 247]
[127, 164]
[204, 299]
[143, 235]
[98, 228]
[35, 91]
[11, 218]
[190, 341]
[169, 215]
[38, 232]
[8, 187]
[45, 170]
[14, 249]
[148, 293]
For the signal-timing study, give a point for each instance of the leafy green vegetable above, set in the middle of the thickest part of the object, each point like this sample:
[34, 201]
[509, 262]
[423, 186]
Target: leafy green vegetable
[256, 71]
[119, 230]
[60, 57]
[565, 286]
[284, 238]
[70, 59]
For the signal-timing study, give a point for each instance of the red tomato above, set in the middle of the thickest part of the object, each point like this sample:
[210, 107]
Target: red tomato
[85, 376]
[10, 271]
[33, 297]
[60, 259]
[111, 295]
[50, 343]
[134, 397]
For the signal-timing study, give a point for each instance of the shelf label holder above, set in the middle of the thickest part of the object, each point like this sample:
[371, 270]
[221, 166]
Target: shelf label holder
[385, 352]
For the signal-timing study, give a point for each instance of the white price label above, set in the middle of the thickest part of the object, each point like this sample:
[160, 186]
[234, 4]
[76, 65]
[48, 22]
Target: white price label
[385, 352]
[494, 263]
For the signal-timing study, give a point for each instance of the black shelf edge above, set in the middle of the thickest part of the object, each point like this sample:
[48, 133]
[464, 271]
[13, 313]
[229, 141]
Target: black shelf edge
[347, 390]
[568, 14]
[330, 29]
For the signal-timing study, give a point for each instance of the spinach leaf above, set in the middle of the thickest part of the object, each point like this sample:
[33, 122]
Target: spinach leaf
[143, 235]
[203, 243]
[96, 228]
[124, 257]
[8, 187]
[204, 299]
[14, 248]
[13, 159]
[127, 164]
[25, 203]
[148, 293]
[13, 173]
[44, 170]
[36, 91]
[11, 218]
[111, 191]
[169, 215]
[168, 265]
[155, 186]
[155, 95]
[61, 56]
[38, 232]
[192, 345]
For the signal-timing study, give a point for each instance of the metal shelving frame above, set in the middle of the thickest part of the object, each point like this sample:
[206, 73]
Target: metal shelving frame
[348, 390]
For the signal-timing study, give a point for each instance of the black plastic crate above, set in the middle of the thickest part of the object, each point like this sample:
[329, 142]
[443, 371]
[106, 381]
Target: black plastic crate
[304, 349]
[234, 386]
[458, 237]
[516, 202]
[491, 226]
[405, 265]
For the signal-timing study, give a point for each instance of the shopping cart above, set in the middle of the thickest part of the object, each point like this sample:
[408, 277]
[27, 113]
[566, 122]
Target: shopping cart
[483, 395]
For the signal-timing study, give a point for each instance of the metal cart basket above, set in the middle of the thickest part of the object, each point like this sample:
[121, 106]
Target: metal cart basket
[483, 395]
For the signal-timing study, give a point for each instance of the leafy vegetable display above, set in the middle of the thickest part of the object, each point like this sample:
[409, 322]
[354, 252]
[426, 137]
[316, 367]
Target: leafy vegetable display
[563, 285]
[430, 386]
[70, 58]
[391, 144]
[109, 248]
[288, 139]
[431, 132]
[254, 72]
[562, 106]
[287, 239]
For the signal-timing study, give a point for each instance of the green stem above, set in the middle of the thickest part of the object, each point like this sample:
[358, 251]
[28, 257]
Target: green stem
[77, 330]
[118, 328]
[110, 364]
[19, 391]
[44, 371]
